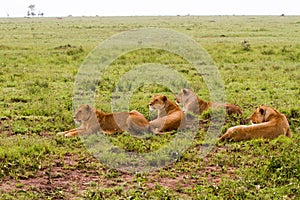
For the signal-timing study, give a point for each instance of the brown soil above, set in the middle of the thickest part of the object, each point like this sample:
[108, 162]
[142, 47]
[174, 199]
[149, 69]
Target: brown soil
[74, 178]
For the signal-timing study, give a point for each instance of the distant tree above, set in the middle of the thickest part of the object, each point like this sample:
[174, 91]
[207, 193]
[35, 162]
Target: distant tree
[31, 11]
[31, 7]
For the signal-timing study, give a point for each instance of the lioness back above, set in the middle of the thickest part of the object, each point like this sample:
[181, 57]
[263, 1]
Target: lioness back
[112, 122]
[123, 121]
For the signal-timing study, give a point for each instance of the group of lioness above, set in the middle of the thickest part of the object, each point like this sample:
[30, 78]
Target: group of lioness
[266, 121]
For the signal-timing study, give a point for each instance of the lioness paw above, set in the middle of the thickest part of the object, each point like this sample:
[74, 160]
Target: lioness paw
[69, 135]
[60, 133]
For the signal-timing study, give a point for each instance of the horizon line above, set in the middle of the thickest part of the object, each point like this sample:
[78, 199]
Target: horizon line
[187, 15]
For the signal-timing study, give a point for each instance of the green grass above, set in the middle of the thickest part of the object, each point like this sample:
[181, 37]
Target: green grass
[258, 59]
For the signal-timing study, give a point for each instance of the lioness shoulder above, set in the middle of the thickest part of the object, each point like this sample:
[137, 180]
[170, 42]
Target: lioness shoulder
[170, 116]
[266, 123]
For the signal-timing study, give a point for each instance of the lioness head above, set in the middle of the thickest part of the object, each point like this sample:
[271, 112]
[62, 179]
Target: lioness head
[82, 114]
[157, 102]
[185, 96]
[261, 114]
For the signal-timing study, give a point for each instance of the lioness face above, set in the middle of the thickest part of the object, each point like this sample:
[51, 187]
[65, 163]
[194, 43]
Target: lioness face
[157, 102]
[258, 116]
[184, 96]
[83, 113]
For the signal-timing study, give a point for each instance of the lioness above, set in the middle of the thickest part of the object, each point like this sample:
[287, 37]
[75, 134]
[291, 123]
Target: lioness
[193, 104]
[170, 116]
[93, 120]
[267, 123]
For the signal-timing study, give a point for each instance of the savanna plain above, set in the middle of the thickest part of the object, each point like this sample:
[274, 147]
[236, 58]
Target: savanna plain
[258, 58]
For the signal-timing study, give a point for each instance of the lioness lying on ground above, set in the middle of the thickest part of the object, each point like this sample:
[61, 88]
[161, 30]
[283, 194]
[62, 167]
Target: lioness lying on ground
[193, 104]
[93, 120]
[267, 123]
[170, 116]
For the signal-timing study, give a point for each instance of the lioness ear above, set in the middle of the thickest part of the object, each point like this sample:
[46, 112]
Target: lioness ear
[88, 107]
[185, 91]
[262, 111]
[164, 98]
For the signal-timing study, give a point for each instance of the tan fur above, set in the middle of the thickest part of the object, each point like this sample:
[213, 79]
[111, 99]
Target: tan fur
[193, 104]
[170, 116]
[93, 120]
[267, 123]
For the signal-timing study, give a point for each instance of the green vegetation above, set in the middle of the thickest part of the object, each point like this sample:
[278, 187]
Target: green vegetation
[257, 57]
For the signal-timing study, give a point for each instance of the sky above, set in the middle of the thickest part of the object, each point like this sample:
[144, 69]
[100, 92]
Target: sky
[61, 8]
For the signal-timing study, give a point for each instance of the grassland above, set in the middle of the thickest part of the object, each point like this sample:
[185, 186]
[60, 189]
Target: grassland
[257, 57]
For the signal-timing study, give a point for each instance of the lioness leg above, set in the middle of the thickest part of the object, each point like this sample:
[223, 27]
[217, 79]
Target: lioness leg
[72, 132]
[288, 133]
[226, 136]
[233, 134]
[164, 124]
[157, 125]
